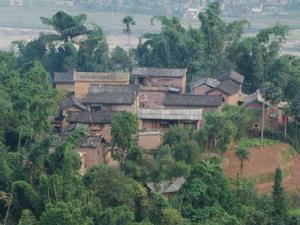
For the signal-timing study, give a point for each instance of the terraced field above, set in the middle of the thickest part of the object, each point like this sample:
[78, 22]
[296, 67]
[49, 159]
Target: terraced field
[261, 166]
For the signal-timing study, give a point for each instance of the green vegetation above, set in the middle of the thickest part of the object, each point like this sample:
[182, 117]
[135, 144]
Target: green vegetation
[242, 154]
[256, 142]
[39, 175]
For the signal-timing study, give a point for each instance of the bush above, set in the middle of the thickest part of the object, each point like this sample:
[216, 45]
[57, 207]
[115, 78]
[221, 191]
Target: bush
[255, 142]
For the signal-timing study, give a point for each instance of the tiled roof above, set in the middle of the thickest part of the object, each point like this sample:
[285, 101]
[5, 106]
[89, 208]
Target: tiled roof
[254, 97]
[192, 100]
[236, 77]
[228, 87]
[131, 88]
[111, 98]
[164, 187]
[158, 72]
[87, 117]
[66, 78]
[96, 76]
[170, 114]
[211, 82]
[71, 101]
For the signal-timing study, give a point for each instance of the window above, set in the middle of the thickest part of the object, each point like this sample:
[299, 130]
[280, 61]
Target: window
[95, 108]
[141, 80]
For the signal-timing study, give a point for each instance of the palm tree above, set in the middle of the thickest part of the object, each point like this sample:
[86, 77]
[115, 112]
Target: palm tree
[128, 21]
[66, 26]
[242, 154]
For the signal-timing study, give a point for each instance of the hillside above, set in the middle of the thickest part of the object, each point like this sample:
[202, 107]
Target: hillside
[261, 166]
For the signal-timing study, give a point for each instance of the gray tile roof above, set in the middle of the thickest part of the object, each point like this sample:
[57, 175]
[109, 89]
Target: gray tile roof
[228, 87]
[87, 117]
[111, 98]
[192, 100]
[66, 78]
[97, 76]
[254, 97]
[164, 187]
[232, 75]
[211, 82]
[158, 72]
[131, 88]
[71, 101]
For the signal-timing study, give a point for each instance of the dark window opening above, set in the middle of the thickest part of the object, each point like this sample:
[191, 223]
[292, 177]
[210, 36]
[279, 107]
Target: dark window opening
[95, 108]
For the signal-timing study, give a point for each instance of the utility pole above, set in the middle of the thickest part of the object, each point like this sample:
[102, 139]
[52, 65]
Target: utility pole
[262, 125]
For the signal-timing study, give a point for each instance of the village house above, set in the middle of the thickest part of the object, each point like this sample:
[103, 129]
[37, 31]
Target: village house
[255, 102]
[64, 81]
[203, 85]
[154, 83]
[160, 77]
[167, 188]
[113, 98]
[79, 83]
[228, 85]
[274, 116]
[158, 98]
[99, 123]
[183, 109]
[69, 104]
[101, 104]
[84, 80]
[230, 92]
[93, 150]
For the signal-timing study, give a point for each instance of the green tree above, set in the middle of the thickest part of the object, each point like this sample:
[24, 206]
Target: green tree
[219, 131]
[124, 135]
[279, 201]
[27, 218]
[67, 26]
[173, 47]
[128, 21]
[93, 52]
[188, 152]
[242, 154]
[24, 197]
[111, 186]
[241, 117]
[121, 59]
[64, 214]
[175, 135]
[119, 215]
[219, 38]
[171, 216]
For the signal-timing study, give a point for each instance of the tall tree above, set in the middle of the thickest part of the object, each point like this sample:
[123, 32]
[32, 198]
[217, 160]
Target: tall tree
[128, 21]
[27, 218]
[124, 135]
[219, 131]
[279, 201]
[219, 38]
[66, 25]
[242, 154]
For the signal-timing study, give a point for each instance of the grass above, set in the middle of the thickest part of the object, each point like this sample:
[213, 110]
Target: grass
[267, 177]
[255, 142]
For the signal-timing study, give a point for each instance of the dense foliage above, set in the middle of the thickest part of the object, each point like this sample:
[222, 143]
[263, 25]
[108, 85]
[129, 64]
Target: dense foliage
[39, 172]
